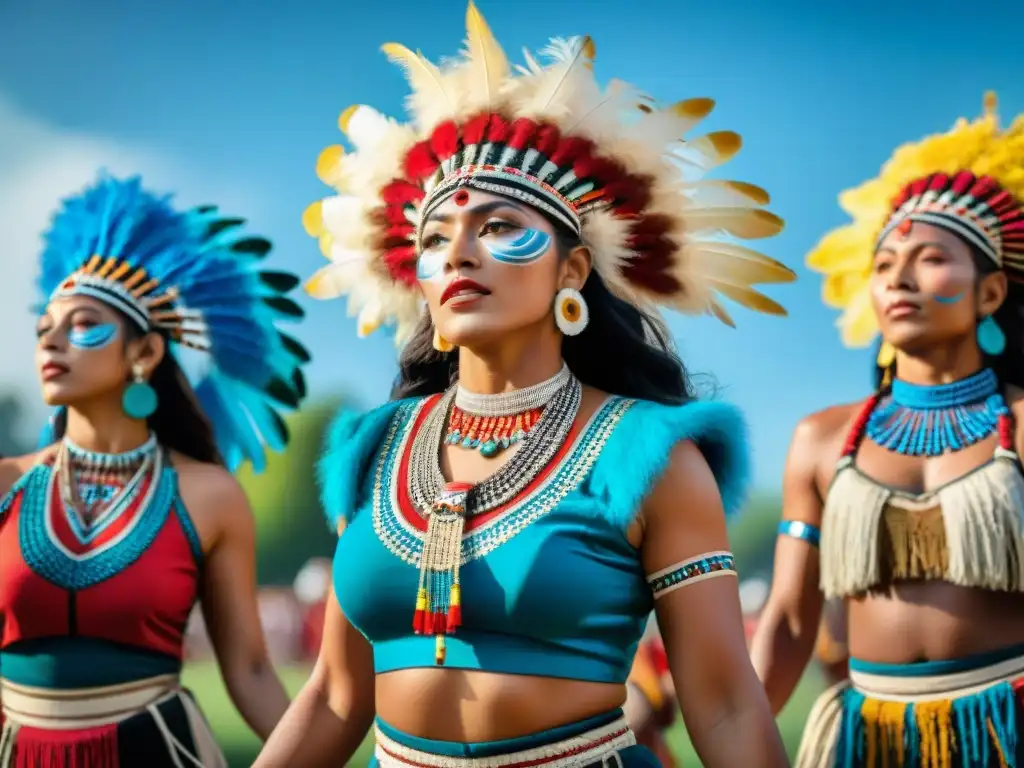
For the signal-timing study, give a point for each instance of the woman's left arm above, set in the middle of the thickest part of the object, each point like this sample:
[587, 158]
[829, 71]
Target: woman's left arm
[229, 600]
[722, 700]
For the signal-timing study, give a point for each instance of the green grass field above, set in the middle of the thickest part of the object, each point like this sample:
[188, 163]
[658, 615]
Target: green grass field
[241, 746]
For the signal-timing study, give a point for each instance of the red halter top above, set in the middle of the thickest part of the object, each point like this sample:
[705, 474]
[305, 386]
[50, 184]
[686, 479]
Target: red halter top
[83, 607]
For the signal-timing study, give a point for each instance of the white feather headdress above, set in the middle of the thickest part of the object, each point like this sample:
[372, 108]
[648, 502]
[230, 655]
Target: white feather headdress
[606, 162]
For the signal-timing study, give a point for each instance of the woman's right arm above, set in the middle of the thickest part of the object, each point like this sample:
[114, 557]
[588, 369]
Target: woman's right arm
[327, 722]
[788, 626]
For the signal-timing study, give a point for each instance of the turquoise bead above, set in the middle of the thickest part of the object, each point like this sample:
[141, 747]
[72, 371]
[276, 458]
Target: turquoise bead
[489, 449]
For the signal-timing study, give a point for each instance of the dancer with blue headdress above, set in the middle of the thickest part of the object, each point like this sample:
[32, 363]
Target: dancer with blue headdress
[111, 533]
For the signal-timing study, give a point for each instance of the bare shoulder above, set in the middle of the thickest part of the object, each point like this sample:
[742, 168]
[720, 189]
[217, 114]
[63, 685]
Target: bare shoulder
[821, 434]
[688, 476]
[13, 467]
[212, 495]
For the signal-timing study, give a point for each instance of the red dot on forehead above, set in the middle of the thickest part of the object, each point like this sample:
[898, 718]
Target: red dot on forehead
[461, 197]
[905, 226]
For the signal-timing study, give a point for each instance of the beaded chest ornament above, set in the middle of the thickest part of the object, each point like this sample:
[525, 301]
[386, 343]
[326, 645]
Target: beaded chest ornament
[918, 420]
[447, 505]
[492, 423]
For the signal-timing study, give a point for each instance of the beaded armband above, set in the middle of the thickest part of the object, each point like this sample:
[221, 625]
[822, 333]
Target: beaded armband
[706, 566]
[800, 530]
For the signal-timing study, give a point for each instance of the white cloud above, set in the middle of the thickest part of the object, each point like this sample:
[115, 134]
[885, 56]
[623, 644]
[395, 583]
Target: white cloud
[40, 163]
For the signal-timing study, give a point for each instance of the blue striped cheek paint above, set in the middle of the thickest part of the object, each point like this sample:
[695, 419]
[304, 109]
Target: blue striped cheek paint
[949, 299]
[94, 337]
[528, 246]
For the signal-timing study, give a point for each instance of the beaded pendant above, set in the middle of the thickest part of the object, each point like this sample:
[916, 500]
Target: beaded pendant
[489, 434]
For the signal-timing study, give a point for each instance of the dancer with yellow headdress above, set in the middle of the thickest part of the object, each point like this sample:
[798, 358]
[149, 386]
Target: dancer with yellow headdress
[543, 478]
[915, 496]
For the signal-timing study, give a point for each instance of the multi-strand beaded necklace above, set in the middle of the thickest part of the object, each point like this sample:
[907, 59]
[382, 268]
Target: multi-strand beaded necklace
[539, 418]
[97, 487]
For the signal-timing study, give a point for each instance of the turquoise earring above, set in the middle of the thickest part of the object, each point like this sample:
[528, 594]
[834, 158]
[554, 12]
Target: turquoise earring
[139, 400]
[991, 339]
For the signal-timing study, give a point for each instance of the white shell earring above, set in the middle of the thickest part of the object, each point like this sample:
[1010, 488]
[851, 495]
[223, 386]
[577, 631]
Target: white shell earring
[571, 312]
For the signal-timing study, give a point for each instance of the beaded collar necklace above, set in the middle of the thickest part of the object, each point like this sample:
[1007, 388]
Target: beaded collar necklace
[921, 420]
[96, 486]
[492, 423]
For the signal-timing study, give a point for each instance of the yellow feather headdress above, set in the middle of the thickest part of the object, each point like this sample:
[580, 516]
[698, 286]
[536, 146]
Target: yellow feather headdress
[607, 163]
[969, 180]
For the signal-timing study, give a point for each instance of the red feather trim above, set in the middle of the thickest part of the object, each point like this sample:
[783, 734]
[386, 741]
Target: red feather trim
[444, 141]
[401, 263]
[569, 149]
[474, 128]
[939, 181]
[523, 129]
[420, 162]
[497, 129]
[390, 216]
[399, 192]
[400, 230]
[656, 282]
[962, 182]
[654, 260]
[655, 224]
[547, 140]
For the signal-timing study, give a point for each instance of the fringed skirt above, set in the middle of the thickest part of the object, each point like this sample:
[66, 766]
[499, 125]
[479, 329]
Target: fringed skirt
[965, 713]
[599, 742]
[149, 723]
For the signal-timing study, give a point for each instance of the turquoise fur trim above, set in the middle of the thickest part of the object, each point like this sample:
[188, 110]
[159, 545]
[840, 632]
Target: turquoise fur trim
[639, 451]
[352, 443]
[189, 529]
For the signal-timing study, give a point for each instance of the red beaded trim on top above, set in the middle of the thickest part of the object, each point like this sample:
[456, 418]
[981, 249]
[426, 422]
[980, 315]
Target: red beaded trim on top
[860, 425]
[1005, 426]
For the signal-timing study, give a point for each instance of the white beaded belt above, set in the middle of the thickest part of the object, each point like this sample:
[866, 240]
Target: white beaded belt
[600, 745]
[918, 688]
[85, 707]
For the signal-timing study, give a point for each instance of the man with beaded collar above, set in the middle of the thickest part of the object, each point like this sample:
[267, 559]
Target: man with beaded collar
[511, 518]
[915, 496]
[128, 515]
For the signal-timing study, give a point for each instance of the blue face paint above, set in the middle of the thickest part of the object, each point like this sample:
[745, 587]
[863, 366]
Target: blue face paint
[949, 299]
[94, 337]
[529, 245]
[430, 262]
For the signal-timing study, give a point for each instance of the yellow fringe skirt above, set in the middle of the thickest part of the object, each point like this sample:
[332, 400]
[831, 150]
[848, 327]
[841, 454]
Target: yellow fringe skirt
[964, 713]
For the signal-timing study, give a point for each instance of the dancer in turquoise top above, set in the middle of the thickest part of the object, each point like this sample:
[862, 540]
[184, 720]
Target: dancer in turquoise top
[542, 478]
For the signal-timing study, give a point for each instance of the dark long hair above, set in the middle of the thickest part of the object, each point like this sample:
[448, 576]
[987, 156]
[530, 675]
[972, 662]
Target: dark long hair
[622, 351]
[178, 421]
[1009, 366]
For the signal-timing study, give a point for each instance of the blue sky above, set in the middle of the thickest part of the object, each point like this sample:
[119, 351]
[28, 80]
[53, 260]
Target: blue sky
[245, 95]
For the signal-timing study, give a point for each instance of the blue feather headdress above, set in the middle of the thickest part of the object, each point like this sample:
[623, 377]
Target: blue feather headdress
[192, 277]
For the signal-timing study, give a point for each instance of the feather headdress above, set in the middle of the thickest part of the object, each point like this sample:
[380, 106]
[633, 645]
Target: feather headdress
[192, 277]
[605, 162]
[969, 180]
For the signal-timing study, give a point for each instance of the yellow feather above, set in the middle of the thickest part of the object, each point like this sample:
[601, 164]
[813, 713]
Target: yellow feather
[718, 311]
[735, 264]
[747, 223]
[326, 283]
[749, 298]
[346, 116]
[715, 193]
[328, 164]
[313, 219]
[718, 145]
[485, 54]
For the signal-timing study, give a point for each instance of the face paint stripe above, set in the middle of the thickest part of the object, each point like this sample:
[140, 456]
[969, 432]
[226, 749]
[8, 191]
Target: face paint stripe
[529, 246]
[96, 337]
[949, 299]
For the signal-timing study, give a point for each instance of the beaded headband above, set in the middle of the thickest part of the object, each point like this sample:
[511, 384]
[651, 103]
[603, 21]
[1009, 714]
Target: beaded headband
[605, 162]
[967, 181]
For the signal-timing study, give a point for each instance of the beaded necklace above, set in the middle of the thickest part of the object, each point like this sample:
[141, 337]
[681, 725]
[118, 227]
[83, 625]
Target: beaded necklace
[492, 423]
[920, 420]
[96, 487]
[446, 505]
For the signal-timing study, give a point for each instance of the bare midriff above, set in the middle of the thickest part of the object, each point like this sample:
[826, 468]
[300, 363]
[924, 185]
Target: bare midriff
[933, 621]
[474, 706]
